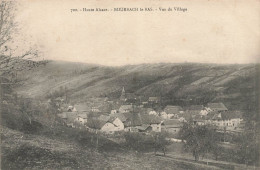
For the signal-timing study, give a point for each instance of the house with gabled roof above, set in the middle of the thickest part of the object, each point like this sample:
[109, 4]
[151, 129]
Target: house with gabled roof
[113, 112]
[144, 128]
[112, 125]
[220, 107]
[228, 119]
[196, 107]
[149, 111]
[71, 109]
[134, 121]
[79, 122]
[95, 109]
[199, 120]
[172, 125]
[70, 117]
[81, 118]
[152, 120]
[154, 99]
[120, 116]
[126, 108]
[81, 108]
[171, 111]
[106, 123]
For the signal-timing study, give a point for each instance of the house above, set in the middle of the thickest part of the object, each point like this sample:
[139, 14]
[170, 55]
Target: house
[196, 107]
[81, 108]
[208, 109]
[143, 100]
[68, 117]
[108, 127]
[154, 99]
[81, 119]
[120, 116]
[95, 109]
[107, 124]
[220, 107]
[149, 111]
[103, 124]
[204, 112]
[153, 112]
[209, 117]
[240, 128]
[130, 97]
[172, 126]
[71, 125]
[199, 120]
[113, 111]
[170, 116]
[71, 116]
[59, 99]
[132, 122]
[126, 108]
[144, 128]
[185, 117]
[169, 109]
[136, 122]
[152, 120]
[164, 115]
[170, 112]
[71, 109]
[112, 125]
[228, 119]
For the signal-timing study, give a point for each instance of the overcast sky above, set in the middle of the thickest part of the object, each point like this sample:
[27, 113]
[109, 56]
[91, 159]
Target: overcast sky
[209, 32]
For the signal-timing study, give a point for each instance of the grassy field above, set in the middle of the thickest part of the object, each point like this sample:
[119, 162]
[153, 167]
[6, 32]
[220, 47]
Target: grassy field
[27, 151]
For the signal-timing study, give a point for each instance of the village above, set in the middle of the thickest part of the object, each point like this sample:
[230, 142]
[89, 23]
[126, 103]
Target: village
[130, 114]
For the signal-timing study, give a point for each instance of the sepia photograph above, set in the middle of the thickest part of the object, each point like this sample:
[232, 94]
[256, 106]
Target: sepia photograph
[129, 85]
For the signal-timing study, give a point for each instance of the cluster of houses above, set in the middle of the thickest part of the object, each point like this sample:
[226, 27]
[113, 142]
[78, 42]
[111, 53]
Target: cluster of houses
[125, 115]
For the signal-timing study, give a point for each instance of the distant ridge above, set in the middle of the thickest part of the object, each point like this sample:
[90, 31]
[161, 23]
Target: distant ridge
[233, 84]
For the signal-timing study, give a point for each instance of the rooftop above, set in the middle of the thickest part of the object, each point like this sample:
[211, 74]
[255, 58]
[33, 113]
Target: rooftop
[217, 106]
[169, 109]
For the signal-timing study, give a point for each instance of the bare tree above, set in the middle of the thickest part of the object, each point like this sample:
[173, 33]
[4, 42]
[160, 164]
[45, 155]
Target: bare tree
[7, 24]
[9, 63]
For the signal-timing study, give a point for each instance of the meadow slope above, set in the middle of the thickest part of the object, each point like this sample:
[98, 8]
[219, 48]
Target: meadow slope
[183, 83]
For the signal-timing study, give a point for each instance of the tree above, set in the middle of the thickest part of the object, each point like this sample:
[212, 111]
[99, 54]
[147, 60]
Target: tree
[160, 142]
[198, 139]
[9, 62]
[7, 24]
[248, 145]
[96, 125]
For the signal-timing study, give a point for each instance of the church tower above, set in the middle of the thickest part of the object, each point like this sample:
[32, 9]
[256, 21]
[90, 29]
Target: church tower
[123, 97]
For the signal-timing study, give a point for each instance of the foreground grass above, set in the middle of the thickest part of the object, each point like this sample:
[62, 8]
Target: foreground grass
[26, 151]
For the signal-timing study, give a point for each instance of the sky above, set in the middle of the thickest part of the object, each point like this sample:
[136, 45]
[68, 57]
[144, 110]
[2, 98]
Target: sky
[208, 32]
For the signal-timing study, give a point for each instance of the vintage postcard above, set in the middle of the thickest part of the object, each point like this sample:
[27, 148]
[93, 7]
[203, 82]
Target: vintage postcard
[113, 84]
